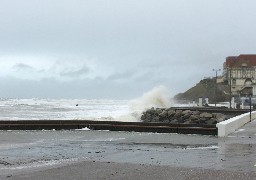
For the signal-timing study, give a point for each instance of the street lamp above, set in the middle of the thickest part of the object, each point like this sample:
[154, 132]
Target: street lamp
[230, 84]
[216, 71]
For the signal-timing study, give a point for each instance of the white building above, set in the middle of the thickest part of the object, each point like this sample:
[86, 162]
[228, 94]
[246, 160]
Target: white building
[240, 72]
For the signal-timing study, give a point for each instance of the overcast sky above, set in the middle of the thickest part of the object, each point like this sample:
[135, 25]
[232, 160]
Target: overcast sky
[117, 49]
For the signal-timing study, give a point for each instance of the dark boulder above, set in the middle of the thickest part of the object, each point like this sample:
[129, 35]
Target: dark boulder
[167, 115]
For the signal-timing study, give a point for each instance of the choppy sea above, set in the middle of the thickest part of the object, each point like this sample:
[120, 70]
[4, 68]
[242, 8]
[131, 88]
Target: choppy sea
[83, 109]
[64, 109]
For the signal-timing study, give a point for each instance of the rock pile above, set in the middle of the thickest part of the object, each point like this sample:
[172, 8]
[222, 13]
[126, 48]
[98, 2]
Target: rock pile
[168, 115]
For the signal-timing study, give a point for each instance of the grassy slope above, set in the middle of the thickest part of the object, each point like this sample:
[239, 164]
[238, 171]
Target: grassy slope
[205, 88]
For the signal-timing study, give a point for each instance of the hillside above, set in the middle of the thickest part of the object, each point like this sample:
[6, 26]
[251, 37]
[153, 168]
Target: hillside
[205, 88]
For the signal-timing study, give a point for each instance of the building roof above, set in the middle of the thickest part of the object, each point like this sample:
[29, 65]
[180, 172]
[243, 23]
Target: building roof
[248, 60]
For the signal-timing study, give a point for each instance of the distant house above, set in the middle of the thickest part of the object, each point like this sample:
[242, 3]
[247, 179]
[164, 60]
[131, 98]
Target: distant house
[240, 73]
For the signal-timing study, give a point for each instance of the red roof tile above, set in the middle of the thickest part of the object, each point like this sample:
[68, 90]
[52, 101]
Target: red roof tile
[238, 61]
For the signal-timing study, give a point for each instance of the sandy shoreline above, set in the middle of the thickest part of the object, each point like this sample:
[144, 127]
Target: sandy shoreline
[126, 155]
[110, 170]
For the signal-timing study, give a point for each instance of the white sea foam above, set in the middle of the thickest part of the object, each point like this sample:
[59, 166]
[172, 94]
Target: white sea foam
[202, 148]
[83, 109]
[158, 97]
[43, 163]
[84, 129]
[61, 109]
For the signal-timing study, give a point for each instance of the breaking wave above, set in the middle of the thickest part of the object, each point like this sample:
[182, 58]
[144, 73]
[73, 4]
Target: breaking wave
[158, 97]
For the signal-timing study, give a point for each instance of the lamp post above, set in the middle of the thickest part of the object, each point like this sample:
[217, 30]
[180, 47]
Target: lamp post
[215, 92]
[230, 84]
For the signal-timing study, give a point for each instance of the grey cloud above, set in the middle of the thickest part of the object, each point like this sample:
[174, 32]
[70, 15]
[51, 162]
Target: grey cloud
[146, 76]
[126, 75]
[22, 67]
[76, 72]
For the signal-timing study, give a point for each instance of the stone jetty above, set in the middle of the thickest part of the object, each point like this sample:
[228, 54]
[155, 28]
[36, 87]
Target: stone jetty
[169, 115]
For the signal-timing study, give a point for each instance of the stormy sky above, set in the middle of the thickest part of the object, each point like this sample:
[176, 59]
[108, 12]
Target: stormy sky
[117, 49]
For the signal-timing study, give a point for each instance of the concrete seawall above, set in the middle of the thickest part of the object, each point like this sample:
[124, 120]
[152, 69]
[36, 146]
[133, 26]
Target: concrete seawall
[232, 124]
[109, 125]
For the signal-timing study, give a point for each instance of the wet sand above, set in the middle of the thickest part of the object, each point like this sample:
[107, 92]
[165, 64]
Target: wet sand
[126, 155]
[100, 170]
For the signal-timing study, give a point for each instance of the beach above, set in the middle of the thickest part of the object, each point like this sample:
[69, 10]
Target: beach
[105, 170]
[88, 154]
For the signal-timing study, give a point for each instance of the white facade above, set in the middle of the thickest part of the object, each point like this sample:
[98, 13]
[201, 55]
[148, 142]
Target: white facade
[242, 80]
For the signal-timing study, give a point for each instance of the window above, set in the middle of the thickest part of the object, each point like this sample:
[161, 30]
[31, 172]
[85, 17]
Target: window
[233, 81]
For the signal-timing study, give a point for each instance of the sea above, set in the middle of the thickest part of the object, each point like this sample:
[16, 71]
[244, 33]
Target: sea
[83, 109]
[62, 109]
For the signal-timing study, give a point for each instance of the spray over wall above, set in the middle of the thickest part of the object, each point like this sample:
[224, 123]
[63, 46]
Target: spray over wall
[158, 97]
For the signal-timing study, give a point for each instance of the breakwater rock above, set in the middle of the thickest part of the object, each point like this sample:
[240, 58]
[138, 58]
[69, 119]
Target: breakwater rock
[169, 115]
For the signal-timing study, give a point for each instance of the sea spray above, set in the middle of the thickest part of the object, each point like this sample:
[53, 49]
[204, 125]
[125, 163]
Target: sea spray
[158, 97]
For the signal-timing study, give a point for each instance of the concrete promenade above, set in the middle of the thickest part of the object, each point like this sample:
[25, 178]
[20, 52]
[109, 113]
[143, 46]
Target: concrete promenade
[127, 155]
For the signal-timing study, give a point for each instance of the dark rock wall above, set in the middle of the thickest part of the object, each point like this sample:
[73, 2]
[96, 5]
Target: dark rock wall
[168, 115]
